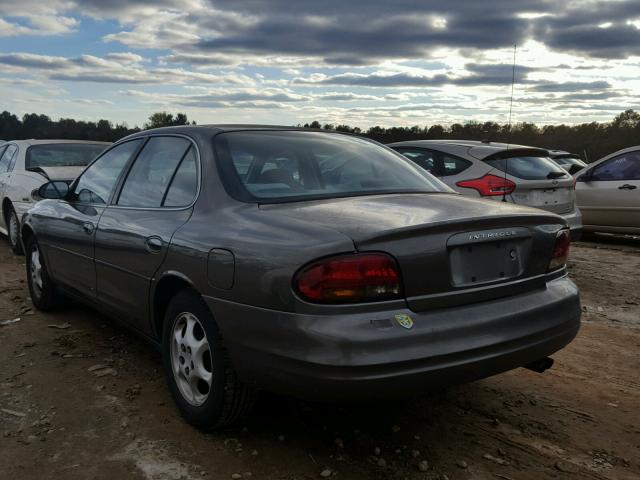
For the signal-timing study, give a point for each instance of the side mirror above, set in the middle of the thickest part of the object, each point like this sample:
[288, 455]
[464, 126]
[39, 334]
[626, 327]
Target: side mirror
[586, 176]
[54, 190]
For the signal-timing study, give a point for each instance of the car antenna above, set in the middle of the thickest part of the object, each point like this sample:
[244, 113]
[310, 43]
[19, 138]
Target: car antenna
[506, 160]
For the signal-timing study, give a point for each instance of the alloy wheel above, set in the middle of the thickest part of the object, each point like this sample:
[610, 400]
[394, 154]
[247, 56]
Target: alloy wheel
[191, 359]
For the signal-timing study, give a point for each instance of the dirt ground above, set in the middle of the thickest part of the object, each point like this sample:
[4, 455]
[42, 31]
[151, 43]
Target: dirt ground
[60, 418]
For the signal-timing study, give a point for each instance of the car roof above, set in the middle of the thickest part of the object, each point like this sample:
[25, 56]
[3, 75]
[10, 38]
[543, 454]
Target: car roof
[616, 153]
[472, 148]
[33, 141]
[226, 127]
[214, 129]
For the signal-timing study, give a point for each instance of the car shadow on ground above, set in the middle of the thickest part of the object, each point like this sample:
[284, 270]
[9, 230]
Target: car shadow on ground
[611, 239]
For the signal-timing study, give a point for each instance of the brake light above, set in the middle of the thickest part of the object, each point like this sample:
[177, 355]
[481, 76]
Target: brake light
[489, 185]
[361, 277]
[560, 250]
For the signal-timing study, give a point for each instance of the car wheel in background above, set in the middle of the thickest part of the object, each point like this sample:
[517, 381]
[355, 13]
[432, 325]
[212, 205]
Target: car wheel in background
[197, 367]
[13, 231]
[44, 294]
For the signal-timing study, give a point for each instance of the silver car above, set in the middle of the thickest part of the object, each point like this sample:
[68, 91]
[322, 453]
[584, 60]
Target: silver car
[571, 162]
[497, 171]
[608, 193]
[27, 164]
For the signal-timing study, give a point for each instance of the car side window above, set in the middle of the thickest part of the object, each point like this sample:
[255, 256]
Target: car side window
[96, 183]
[6, 160]
[184, 185]
[152, 172]
[622, 167]
[453, 165]
[421, 157]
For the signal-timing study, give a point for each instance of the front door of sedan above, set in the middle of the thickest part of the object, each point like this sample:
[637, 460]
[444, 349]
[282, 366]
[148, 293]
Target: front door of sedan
[609, 195]
[66, 231]
[135, 231]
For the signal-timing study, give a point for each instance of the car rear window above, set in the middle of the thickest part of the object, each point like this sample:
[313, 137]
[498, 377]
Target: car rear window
[62, 154]
[528, 168]
[570, 161]
[273, 166]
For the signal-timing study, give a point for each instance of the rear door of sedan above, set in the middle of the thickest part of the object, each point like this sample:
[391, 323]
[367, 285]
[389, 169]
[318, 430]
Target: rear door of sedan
[154, 200]
[609, 193]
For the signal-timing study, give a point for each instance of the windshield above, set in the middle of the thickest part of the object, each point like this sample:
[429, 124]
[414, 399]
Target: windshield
[62, 154]
[272, 166]
[528, 168]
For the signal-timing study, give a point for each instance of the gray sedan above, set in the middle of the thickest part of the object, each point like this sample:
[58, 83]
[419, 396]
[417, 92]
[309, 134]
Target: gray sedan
[311, 263]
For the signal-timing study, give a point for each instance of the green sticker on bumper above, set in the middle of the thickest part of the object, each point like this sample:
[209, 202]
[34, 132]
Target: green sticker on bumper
[405, 321]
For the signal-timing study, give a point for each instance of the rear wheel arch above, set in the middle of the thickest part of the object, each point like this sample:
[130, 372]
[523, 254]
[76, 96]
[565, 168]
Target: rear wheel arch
[167, 287]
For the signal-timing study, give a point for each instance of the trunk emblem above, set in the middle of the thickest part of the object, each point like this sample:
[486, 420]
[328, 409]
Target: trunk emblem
[405, 321]
[492, 235]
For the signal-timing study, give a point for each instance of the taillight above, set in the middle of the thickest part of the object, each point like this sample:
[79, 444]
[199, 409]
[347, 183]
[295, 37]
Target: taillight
[489, 185]
[560, 250]
[360, 277]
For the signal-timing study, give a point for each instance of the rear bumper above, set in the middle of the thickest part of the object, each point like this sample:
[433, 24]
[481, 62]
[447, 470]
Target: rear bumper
[574, 219]
[368, 355]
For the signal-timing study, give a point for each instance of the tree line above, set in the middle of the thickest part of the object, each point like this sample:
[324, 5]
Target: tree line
[590, 140]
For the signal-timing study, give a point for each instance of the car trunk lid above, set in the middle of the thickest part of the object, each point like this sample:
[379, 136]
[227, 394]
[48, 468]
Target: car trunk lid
[451, 249]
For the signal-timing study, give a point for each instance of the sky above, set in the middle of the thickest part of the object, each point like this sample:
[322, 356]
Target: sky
[355, 62]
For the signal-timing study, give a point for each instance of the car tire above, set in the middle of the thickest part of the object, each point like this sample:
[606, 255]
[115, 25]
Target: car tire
[44, 294]
[197, 367]
[13, 231]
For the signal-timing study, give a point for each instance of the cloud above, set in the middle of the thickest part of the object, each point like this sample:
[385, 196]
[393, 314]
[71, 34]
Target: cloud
[219, 98]
[602, 29]
[38, 25]
[115, 68]
[473, 75]
[571, 86]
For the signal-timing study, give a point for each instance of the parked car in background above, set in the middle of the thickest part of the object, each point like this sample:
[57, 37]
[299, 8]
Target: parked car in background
[497, 171]
[608, 193]
[312, 263]
[27, 164]
[571, 162]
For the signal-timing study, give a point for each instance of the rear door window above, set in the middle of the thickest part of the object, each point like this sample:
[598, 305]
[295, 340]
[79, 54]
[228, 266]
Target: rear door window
[622, 167]
[422, 157]
[452, 165]
[152, 172]
[528, 168]
[184, 185]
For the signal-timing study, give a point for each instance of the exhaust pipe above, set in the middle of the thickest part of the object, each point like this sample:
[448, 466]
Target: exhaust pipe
[540, 365]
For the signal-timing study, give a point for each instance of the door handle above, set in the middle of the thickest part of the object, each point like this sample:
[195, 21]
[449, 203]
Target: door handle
[154, 244]
[627, 186]
[88, 228]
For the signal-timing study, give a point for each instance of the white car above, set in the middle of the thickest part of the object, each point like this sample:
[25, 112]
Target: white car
[27, 164]
[497, 171]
